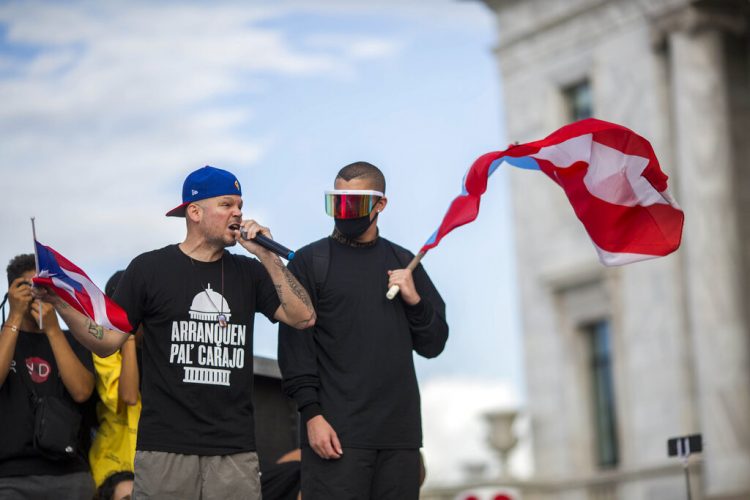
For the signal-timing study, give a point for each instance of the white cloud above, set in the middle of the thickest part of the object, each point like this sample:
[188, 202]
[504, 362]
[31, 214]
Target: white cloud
[356, 47]
[450, 14]
[109, 104]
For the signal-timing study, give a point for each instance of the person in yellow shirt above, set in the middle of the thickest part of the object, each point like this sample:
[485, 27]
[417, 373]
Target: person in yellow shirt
[119, 408]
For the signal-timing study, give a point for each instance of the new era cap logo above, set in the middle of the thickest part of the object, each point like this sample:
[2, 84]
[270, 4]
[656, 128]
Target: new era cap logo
[194, 192]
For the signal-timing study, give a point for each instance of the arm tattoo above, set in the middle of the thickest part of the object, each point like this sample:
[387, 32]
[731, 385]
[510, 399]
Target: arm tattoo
[298, 292]
[96, 330]
[279, 292]
[63, 305]
[294, 286]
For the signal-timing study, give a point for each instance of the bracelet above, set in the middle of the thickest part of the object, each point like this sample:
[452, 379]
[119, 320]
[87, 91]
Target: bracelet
[13, 328]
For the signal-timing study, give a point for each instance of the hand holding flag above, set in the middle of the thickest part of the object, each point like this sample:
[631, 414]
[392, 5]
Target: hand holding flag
[74, 286]
[611, 177]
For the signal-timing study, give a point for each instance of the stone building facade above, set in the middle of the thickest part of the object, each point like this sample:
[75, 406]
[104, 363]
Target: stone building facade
[618, 360]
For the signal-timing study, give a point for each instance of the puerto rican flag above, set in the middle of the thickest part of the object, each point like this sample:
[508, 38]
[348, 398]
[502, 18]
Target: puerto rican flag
[612, 179]
[72, 284]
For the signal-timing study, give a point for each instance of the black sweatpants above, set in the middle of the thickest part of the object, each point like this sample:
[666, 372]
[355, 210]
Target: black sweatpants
[361, 474]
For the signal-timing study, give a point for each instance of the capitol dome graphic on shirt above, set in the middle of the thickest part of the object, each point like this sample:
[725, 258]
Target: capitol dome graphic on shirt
[207, 304]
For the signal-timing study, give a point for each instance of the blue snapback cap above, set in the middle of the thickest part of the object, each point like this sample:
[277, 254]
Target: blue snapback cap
[206, 182]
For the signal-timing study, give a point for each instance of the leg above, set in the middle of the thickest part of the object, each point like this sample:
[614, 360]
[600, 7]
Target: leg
[229, 477]
[345, 478]
[396, 475]
[281, 480]
[76, 486]
[17, 488]
[166, 476]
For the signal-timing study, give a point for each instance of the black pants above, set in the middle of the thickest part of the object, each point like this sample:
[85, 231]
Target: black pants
[361, 474]
[75, 486]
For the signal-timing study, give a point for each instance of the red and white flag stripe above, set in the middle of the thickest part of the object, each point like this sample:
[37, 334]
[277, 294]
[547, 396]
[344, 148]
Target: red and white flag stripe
[612, 179]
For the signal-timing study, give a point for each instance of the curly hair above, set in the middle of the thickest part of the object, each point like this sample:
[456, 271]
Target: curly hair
[19, 265]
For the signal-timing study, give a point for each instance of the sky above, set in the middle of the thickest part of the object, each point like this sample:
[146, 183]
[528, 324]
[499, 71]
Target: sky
[107, 106]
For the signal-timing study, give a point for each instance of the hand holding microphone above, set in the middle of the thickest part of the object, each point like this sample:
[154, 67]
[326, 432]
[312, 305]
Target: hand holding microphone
[268, 244]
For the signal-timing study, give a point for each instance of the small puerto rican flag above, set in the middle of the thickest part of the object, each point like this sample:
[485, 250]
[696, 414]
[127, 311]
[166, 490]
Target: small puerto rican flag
[73, 285]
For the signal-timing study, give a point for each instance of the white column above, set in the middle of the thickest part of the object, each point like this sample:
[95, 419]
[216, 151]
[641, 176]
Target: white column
[711, 248]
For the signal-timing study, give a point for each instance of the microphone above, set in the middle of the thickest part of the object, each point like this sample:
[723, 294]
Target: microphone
[269, 244]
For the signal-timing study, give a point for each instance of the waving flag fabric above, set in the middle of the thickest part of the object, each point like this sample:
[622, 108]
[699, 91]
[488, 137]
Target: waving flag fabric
[73, 285]
[611, 177]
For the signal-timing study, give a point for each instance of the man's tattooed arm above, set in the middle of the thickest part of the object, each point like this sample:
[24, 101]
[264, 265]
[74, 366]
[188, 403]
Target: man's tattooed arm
[298, 291]
[96, 338]
[295, 287]
[95, 330]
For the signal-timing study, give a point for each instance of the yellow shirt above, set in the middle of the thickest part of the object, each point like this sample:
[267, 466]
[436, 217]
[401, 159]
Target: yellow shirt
[113, 448]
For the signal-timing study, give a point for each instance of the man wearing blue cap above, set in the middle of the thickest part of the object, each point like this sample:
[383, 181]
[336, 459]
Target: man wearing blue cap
[196, 302]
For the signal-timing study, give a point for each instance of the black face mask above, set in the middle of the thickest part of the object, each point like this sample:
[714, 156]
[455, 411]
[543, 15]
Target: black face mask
[354, 228]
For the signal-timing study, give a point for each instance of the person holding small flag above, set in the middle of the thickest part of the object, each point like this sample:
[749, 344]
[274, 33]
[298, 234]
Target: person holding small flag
[196, 303]
[353, 376]
[39, 366]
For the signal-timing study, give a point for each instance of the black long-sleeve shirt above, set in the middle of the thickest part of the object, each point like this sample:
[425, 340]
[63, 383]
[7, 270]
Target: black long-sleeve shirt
[356, 365]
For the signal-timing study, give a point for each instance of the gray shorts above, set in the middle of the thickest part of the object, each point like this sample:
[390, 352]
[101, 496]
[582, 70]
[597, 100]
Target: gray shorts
[171, 476]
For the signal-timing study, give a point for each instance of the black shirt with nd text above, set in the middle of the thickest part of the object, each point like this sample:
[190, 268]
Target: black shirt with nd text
[33, 353]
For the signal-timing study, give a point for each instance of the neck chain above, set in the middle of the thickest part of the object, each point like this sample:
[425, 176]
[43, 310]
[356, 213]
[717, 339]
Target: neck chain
[222, 318]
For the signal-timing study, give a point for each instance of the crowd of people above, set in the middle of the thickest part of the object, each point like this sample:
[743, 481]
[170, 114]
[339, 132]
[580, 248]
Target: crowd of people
[165, 411]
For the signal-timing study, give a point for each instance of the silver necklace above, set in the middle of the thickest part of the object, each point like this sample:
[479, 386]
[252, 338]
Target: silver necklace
[222, 318]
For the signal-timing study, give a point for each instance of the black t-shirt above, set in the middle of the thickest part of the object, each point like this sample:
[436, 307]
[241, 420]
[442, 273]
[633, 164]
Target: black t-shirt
[197, 375]
[17, 454]
[356, 364]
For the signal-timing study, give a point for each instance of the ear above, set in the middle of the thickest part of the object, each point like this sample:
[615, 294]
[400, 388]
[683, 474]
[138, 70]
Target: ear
[193, 212]
[380, 205]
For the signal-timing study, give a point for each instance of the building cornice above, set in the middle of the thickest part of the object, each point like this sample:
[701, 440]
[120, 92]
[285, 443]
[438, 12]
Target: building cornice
[697, 17]
[546, 25]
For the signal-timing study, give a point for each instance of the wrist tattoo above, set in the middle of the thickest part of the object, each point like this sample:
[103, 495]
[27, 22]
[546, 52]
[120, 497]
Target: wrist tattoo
[96, 331]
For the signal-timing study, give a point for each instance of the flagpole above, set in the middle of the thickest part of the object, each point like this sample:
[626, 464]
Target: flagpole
[36, 261]
[393, 291]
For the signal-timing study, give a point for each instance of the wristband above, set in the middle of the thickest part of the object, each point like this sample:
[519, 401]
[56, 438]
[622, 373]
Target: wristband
[13, 328]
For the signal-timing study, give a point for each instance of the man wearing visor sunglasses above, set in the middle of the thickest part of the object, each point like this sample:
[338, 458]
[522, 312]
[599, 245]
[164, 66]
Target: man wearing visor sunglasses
[353, 377]
[351, 208]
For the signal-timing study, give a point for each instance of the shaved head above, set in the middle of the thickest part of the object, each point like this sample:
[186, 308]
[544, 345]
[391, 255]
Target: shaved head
[361, 170]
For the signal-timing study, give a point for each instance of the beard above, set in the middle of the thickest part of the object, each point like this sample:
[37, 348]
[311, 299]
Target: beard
[226, 241]
[223, 239]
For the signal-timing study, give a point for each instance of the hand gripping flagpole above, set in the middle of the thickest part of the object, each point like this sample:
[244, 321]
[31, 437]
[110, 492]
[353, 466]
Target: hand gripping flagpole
[393, 291]
[36, 260]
